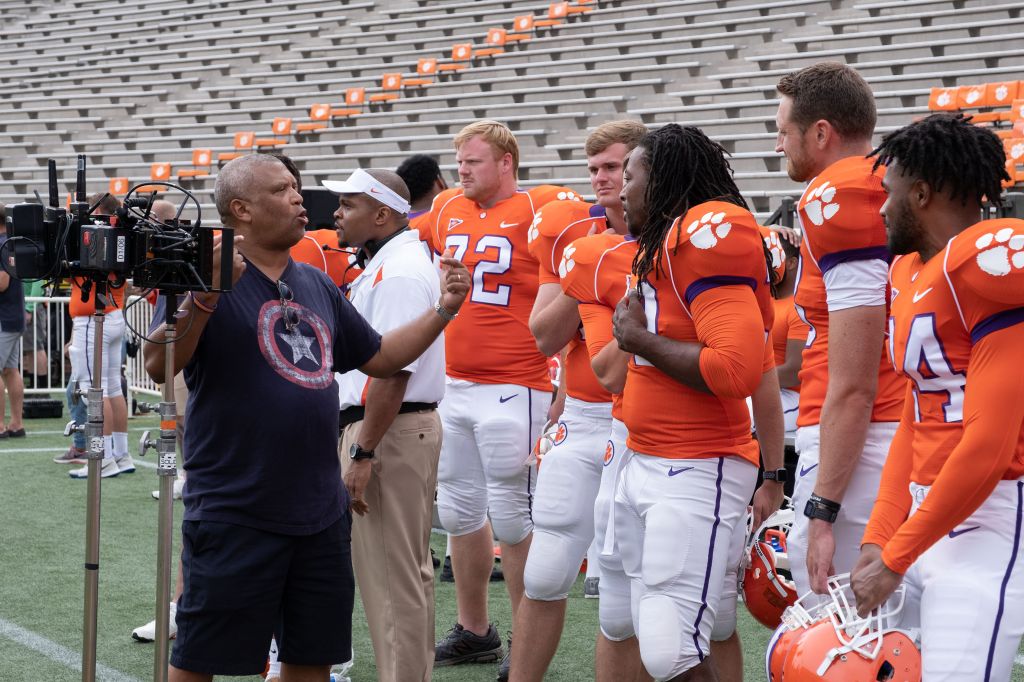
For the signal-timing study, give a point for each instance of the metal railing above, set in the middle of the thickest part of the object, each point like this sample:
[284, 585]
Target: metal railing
[43, 354]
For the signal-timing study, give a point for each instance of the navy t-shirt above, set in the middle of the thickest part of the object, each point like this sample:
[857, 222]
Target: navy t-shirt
[12, 300]
[262, 431]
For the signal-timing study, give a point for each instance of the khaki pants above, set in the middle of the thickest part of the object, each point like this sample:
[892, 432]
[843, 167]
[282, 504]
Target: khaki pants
[391, 545]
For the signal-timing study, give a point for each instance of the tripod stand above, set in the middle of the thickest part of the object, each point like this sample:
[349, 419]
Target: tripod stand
[167, 471]
[94, 455]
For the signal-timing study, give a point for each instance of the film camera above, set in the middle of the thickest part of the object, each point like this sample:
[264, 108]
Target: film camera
[55, 243]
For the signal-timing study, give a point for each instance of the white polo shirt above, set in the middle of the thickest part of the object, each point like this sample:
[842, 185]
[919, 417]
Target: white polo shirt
[398, 285]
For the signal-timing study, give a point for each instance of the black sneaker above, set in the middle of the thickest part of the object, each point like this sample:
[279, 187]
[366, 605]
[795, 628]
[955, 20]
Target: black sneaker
[506, 661]
[448, 576]
[446, 571]
[462, 646]
[433, 559]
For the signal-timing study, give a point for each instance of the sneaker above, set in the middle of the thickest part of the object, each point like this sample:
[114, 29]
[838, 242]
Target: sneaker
[108, 470]
[506, 661]
[447, 576]
[125, 465]
[179, 485]
[462, 646]
[72, 456]
[590, 588]
[433, 558]
[147, 633]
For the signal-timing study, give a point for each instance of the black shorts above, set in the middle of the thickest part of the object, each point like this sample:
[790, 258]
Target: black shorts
[242, 585]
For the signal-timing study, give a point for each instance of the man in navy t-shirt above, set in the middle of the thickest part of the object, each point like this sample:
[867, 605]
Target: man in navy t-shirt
[12, 324]
[266, 530]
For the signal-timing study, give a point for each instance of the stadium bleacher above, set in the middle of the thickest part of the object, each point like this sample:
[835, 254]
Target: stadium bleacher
[171, 77]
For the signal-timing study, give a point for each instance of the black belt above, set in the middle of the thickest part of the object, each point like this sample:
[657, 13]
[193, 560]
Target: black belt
[351, 415]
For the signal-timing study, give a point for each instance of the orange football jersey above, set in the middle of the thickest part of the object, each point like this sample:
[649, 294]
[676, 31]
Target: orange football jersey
[942, 312]
[788, 327]
[320, 249]
[839, 216]
[491, 342]
[79, 308]
[557, 225]
[712, 289]
[421, 223]
[595, 271]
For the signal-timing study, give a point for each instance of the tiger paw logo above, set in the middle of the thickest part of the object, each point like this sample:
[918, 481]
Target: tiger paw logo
[819, 206]
[944, 98]
[1017, 151]
[1000, 253]
[609, 453]
[706, 232]
[774, 244]
[534, 232]
[568, 195]
[567, 264]
[561, 433]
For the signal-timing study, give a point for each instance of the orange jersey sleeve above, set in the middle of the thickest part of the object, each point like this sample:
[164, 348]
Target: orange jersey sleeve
[730, 327]
[841, 225]
[490, 342]
[716, 245]
[83, 308]
[421, 223]
[787, 327]
[556, 225]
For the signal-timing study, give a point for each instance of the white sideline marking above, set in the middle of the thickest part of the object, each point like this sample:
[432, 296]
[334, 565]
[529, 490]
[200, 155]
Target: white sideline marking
[56, 652]
[138, 462]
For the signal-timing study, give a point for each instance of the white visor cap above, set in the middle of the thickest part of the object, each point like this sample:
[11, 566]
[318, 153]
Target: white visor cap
[361, 182]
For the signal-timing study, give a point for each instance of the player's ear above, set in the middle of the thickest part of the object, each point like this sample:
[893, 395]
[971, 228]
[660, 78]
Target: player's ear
[823, 133]
[920, 193]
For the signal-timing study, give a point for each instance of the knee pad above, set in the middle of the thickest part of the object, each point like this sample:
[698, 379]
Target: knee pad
[551, 567]
[510, 525]
[503, 451]
[460, 514]
[725, 618]
[614, 610]
[666, 645]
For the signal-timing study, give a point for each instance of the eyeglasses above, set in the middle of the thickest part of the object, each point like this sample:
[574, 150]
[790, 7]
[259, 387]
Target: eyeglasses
[291, 315]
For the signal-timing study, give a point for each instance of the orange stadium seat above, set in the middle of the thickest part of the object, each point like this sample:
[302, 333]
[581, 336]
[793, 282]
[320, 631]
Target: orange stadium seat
[495, 40]
[280, 127]
[1014, 148]
[160, 172]
[461, 53]
[943, 99]
[557, 14]
[970, 96]
[243, 143]
[523, 22]
[318, 113]
[390, 83]
[201, 161]
[355, 98]
[426, 69]
[118, 186]
[998, 96]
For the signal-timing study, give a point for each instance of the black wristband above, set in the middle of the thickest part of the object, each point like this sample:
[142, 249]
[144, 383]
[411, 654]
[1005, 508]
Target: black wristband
[818, 507]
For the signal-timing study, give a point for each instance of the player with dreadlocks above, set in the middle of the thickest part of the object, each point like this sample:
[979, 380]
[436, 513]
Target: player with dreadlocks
[696, 328]
[956, 464]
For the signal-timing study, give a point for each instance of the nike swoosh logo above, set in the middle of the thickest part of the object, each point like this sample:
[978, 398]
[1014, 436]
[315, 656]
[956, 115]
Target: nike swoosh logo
[672, 471]
[921, 294]
[804, 472]
[374, 190]
[505, 400]
[503, 225]
[954, 533]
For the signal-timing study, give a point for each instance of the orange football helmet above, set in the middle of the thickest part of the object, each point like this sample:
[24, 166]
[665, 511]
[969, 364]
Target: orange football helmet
[764, 583]
[827, 640]
[778, 650]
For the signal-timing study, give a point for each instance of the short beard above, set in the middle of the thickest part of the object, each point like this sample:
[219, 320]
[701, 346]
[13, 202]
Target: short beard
[907, 237]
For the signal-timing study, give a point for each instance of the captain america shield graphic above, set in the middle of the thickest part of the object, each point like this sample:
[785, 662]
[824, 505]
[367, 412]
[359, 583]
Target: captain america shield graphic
[302, 354]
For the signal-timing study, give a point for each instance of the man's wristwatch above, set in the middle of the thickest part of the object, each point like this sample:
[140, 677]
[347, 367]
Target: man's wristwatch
[777, 475]
[443, 312]
[818, 507]
[357, 454]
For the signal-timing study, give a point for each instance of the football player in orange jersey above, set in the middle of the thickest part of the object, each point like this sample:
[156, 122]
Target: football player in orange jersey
[948, 519]
[499, 389]
[563, 511]
[850, 398]
[789, 334]
[422, 175]
[697, 328]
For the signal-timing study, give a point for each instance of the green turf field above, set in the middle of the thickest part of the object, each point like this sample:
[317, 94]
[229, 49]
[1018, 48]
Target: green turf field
[42, 548]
